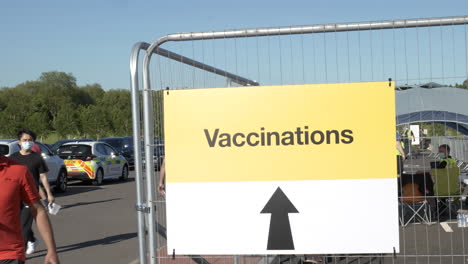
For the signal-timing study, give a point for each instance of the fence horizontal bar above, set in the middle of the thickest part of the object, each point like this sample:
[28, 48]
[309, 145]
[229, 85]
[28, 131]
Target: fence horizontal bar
[389, 24]
[235, 78]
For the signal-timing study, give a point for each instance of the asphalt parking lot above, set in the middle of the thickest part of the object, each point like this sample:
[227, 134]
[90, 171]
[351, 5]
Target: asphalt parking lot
[96, 225]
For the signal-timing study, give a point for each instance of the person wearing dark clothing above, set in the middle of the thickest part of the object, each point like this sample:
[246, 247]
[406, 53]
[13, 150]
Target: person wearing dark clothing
[37, 167]
[400, 155]
[34, 162]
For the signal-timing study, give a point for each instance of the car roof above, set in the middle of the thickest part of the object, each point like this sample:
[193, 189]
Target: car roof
[6, 141]
[75, 139]
[88, 143]
[114, 138]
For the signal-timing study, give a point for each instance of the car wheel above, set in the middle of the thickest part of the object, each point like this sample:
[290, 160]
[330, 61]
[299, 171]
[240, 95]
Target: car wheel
[62, 182]
[99, 177]
[124, 176]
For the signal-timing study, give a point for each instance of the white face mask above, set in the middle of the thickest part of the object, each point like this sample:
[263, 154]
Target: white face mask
[27, 145]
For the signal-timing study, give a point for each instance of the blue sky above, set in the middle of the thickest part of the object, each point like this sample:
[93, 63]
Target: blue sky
[93, 39]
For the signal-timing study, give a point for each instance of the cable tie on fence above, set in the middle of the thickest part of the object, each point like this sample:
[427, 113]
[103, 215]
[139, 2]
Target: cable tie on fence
[389, 82]
[173, 253]
[394, 253]
[167, 90]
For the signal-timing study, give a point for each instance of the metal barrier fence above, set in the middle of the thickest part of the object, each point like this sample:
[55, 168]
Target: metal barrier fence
[410, 52]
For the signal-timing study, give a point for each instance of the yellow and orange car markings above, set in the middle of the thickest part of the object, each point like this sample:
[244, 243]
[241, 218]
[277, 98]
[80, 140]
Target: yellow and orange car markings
[79, 165]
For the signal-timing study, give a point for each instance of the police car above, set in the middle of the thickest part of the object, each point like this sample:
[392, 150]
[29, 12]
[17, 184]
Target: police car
[93, 161]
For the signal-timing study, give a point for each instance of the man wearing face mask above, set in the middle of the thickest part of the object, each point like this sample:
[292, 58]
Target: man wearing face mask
[446, 160]
[37, 167]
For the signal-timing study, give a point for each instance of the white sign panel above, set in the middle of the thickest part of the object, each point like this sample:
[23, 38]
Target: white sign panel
[281, 170]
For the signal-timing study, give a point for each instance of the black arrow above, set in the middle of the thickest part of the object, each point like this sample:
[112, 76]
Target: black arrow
[279, 236]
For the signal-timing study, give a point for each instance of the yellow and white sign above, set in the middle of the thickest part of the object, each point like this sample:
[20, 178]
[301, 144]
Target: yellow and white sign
[299, 169]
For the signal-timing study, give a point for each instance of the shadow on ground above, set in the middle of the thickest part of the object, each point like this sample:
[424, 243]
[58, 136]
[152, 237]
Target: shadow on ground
[77, 187]
[97, 242]
[88, 203]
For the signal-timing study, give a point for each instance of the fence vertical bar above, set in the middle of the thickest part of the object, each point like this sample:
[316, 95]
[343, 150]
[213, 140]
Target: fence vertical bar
[137, 148]
[149, 162]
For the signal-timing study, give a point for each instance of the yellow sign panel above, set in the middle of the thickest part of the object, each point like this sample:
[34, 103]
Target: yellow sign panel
[281, 133]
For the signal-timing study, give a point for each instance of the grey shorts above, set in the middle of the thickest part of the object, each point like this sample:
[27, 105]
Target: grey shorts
[11, 261]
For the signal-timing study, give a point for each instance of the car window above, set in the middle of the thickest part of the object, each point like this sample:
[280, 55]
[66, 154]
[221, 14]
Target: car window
[115, 142]
[100, 149]
[4, 149]
[44, 149]
[129, 142]
[59, 143]
[110, 150]
[74, 150]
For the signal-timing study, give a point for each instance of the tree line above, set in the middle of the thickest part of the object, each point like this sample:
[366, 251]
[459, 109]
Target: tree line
[55, 104]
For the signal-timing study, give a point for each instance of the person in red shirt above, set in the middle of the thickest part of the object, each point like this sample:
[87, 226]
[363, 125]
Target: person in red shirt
[17, 185]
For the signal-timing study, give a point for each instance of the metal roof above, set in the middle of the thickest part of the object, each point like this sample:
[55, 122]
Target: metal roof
[447, 105]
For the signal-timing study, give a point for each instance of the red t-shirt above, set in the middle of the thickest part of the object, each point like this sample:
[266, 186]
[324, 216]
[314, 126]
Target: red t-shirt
[16, 185]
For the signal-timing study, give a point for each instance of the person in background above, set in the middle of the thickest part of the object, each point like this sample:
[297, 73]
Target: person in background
[407, 139]
[400, 155]
[17, 186]
[36, 149]
[422, 138]
[162, 178]
[37, 167]
[446, 161]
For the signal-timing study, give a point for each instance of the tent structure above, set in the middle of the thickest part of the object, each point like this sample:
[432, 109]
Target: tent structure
[433, 103]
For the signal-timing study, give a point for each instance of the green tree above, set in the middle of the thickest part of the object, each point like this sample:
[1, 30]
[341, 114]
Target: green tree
[67, 123]
[15, 111]
[55, 104]
[39, 122]
[94, 121]
[118, 106]
[438, 130]
[464, 85]
[94, 92]
[57, 90]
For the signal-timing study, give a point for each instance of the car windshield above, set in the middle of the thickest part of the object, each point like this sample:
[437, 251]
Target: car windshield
[4, 149]
[114, 142]
[70, 151]
[57, 144]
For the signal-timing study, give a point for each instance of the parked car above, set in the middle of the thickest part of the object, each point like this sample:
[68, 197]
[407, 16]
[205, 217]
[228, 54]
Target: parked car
[158, 154]
[124, 145]
[8, 146]
[93, 161]
[57, 174]
[59, 143]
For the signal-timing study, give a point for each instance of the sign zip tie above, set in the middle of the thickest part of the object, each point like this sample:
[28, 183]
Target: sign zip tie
[173, 253]
[167, 90]
[142, 208]
[389, 82]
